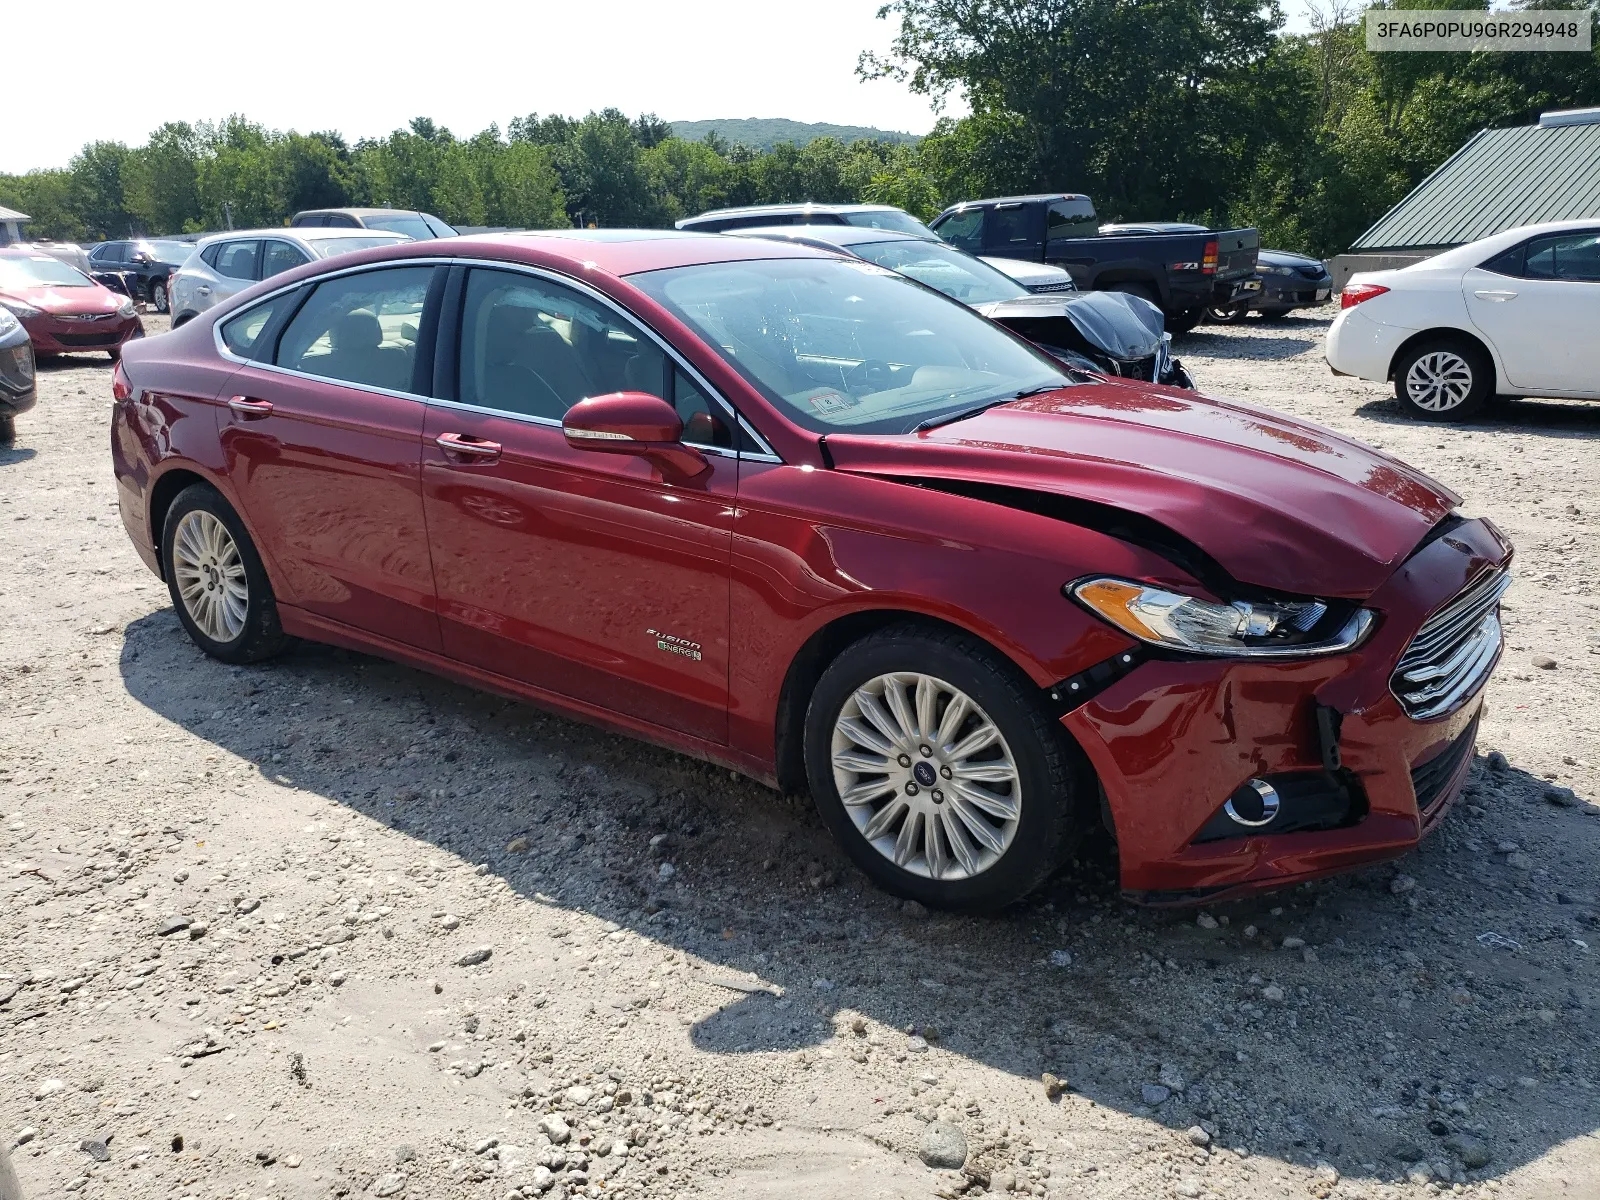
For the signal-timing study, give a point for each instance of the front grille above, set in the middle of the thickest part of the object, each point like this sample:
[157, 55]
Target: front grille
[1454, 651]
[1137, 368]
[1430, 780]
[1041, 288]
[87, 339]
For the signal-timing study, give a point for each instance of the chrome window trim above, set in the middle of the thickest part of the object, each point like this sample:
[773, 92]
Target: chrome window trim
[765, 454]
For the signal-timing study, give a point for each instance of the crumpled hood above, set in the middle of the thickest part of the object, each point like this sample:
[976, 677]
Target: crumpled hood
[1279, 503]
[61, 301]
[1125, 327]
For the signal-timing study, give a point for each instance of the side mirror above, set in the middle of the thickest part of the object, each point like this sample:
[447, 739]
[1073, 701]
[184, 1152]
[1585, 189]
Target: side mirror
[633, 423]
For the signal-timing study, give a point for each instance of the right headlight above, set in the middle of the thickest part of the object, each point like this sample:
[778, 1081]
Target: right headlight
[1242, 629]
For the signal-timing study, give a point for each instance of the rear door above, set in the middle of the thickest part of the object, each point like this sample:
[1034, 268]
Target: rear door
[582, 573]
[236, 268]
[1540, 307]
[322, 438]
[278, 256]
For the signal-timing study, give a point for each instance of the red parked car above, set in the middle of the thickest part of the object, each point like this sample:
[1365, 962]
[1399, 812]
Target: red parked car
[803, 517]
[62, 309]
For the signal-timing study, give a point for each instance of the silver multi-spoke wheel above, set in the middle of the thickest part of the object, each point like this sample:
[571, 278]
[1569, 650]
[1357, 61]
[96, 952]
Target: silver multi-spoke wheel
[210, 575]
[926, 776]
[1439, 381]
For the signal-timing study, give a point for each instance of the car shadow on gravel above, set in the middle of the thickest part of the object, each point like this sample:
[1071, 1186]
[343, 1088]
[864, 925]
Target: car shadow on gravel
[1438, 1008]
[11, 454]
[1579, 419]
[1244, 342]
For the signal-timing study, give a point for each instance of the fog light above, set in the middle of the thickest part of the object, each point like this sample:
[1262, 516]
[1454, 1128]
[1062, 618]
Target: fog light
[1253, 805]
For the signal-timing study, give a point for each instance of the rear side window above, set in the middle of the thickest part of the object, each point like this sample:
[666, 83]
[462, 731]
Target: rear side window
[242, 333]
[237, 260]
[1573, 256]
[964, 229]
[209, 255]
[360, 329]
[1072, 219]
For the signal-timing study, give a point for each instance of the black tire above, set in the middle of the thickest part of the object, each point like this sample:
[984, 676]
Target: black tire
[1053, 778]
[1226, 316]
[260, 635]
[8, 429]
[1443, 379]
[1274, 314]
[1184, 320]
[182, 320]
[158, 295]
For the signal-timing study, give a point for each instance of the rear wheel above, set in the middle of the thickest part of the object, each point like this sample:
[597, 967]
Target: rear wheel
[936, 767]
[1133, 287]
[1184, 320]
[1443, 379]
[8, 430]
[158, 295]
[218, 585]
[1225, 316]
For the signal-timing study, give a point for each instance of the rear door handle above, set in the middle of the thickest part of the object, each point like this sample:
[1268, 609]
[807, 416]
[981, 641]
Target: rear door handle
[1496, 296]
[467, 447]
[248, 409]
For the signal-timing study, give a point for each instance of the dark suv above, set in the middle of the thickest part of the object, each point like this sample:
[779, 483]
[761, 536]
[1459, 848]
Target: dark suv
[147, 264]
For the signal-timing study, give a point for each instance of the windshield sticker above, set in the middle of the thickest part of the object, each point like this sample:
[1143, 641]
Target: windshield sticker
[824, 403]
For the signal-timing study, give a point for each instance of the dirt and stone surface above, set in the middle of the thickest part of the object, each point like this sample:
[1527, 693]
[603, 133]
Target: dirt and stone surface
[331, 927]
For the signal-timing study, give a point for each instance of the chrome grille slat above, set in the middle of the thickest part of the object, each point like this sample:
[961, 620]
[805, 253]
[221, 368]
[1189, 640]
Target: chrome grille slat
[1450, 657]
[1462, 614]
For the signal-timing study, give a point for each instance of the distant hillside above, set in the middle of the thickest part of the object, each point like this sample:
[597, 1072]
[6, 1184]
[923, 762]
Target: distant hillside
[760, 133]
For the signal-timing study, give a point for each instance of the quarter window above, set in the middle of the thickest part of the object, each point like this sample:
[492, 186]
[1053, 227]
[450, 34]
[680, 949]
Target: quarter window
[360, 329]
[237, 260]
[242, 333]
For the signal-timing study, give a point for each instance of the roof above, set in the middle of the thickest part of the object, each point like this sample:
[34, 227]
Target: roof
[314, 233]
[357, 212]
[1016, 199]
[1500, 179]
[833, 235]
[11, 214]
[786, 209]
[624, 251]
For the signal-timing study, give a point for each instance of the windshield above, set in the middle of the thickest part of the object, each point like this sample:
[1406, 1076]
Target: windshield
[39, 270]
[331, 247]
[410, 224]
[841, 345]
[171, 252]
[887, 218]
[440, 229]
[957, 275]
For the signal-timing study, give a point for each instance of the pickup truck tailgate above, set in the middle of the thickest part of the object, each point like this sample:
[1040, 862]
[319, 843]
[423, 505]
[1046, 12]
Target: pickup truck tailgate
[1236, 252]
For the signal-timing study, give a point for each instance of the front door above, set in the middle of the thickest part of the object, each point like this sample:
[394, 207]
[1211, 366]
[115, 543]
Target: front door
[1540, 308]
[587, 574]
[323, 444]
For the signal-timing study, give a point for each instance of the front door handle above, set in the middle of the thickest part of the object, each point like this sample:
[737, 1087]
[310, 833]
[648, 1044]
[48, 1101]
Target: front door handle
[248, 409]
[467, 448]
[1497, 296]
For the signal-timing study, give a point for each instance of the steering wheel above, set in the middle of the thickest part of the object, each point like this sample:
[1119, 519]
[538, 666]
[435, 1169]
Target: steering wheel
[873, 374]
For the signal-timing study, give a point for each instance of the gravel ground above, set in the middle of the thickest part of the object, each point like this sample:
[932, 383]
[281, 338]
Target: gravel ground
[331, 927]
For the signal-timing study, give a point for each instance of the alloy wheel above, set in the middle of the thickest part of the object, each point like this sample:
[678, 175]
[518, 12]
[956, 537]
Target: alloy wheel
[1439, 381]
[158, 297]
[926, 776]
[210, 576]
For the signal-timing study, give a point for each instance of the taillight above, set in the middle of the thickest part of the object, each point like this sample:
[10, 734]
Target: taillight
[121, 389]
[1208, 260]
[1355, 293]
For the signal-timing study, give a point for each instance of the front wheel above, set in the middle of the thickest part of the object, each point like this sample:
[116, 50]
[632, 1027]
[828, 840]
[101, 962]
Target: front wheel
[943, 777]
[218, 585]
[158, 295]
[1225, 316]
[1445, 379]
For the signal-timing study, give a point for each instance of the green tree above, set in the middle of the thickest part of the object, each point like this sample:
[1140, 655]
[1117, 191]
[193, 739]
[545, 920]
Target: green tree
[161, 181]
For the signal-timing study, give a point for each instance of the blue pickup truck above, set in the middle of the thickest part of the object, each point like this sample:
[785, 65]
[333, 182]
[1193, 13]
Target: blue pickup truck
[1184, 270]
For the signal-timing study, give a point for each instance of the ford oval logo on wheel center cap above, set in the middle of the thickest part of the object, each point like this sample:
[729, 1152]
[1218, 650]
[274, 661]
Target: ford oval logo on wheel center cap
[924, 774]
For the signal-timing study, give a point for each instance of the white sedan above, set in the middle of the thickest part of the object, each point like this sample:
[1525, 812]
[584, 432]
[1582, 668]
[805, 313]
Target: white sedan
[1516, 314]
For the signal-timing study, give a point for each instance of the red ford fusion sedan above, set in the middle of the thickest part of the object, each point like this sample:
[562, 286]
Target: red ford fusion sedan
[803, 517]
[62, 309]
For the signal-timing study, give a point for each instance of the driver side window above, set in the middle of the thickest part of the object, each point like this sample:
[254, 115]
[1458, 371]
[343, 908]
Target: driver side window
[535, 348]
